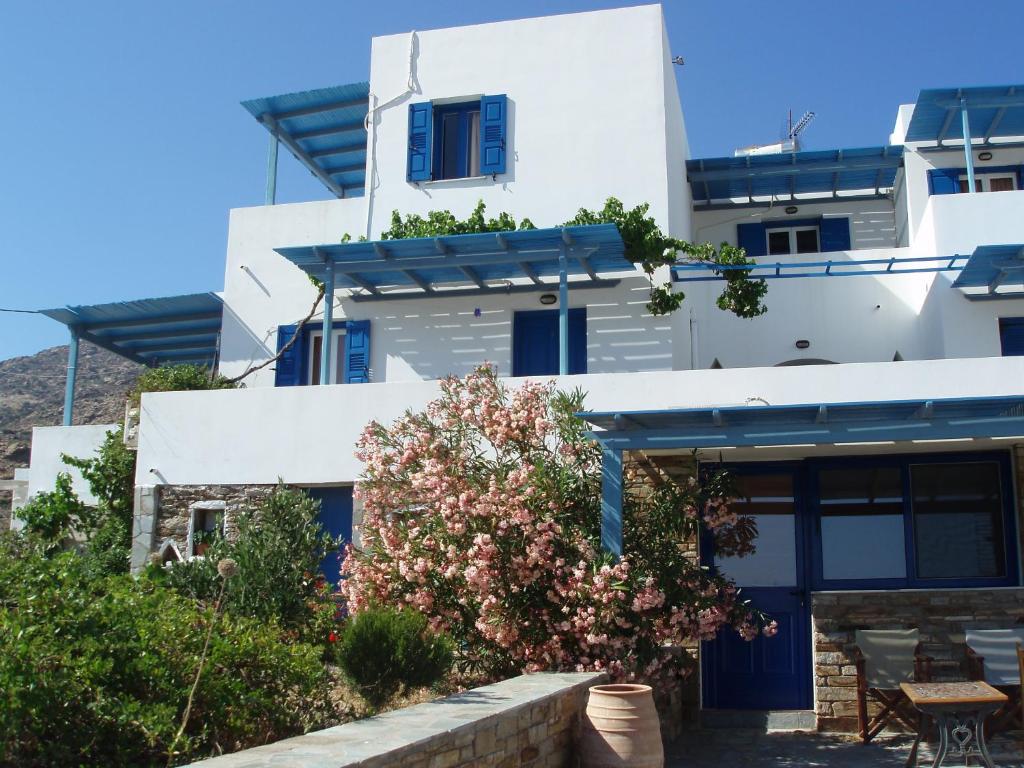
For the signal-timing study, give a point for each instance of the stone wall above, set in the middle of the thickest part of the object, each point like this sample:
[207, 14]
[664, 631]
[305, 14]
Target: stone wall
[942, 616]
[529, 721]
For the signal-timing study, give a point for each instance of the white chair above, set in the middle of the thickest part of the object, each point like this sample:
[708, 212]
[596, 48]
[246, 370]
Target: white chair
[885, 658]
[992, 657]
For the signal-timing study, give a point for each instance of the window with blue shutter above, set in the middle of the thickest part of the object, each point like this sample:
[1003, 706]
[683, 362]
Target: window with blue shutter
[835, 234]
[288, 371]
[421, 123]
[535, 342]
[493, 127]
[1011, 336]
[357, 352]
[751, 238]
[944, 181]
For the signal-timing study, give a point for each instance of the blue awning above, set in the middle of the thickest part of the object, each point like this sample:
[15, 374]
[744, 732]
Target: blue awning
[837, 173]
[992, 112]
[171, 329]
[325, 130]
[810, 424]
[466, 264]
[992, 267]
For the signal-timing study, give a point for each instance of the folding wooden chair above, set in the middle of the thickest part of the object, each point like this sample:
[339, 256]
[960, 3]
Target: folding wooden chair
[992, 656]
[885, 658]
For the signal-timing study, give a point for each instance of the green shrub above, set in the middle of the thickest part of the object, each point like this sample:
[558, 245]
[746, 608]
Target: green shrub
[278, 548]
[178, 378]
[110, 475]
[97, 672]
[55, 515]
[384, 649]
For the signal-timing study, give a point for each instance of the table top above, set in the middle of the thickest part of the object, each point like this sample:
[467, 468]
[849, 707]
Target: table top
[968, 692]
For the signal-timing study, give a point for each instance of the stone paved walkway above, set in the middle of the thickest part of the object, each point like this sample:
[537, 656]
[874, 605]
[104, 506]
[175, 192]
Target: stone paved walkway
[727, 748]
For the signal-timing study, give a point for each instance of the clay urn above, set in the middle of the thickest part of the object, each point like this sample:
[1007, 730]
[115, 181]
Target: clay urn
[620, 728]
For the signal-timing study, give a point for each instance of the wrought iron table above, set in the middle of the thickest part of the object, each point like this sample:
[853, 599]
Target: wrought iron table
[959, 710]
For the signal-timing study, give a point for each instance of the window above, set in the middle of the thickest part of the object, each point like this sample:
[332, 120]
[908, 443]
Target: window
[990, 182]
[769, 499]
[793, 240]
[457, 140]
[316, 339]
[1011, 336]
[206, 525]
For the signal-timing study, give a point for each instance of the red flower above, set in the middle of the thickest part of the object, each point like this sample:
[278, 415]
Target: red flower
[331, 637]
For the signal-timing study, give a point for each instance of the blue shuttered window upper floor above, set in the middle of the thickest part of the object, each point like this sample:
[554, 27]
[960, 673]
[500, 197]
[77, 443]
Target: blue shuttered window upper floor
[288, 371]
[453, 140]
[493, 127]
[293, 365]
[944, 181]
[752, 238]
[421, 145]
[835, 234]
[357, 352]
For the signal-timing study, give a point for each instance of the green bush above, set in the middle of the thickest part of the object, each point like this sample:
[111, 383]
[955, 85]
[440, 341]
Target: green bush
[54, 515]
[278, 548]
[96, 672]
[178, 378]
[384, 649]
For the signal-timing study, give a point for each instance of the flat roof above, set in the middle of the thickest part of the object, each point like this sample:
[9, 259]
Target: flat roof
[170, 329]
[810, 423]
[324, 129]
[834, 173]
[478, 262]
[993, 111]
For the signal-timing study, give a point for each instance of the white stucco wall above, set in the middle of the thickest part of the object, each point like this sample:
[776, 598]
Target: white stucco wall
[48, 443]
[306, 435]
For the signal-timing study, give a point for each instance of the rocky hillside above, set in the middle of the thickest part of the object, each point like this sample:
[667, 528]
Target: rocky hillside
[32, 395]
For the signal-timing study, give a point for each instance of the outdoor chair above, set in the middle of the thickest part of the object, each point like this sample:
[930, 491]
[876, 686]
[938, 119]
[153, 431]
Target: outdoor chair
[885, 658]
[992, 656]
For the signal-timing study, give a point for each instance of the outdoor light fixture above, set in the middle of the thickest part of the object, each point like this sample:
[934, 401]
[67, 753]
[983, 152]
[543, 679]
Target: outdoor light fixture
[984, 155]
[548, 298]
[791, 209]
[802, 343]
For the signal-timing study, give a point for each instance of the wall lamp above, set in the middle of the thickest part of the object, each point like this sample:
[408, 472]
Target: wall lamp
[984, 155]
[802, 343]
[548, 298]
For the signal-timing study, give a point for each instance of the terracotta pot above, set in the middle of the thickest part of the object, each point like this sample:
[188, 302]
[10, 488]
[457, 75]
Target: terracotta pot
[620, 728]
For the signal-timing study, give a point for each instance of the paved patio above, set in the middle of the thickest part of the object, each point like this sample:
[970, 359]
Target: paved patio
[728, 748]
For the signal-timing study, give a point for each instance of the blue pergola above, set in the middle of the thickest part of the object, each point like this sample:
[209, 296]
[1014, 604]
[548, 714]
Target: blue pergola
[324, 129]
[990, 267]
[781, 425]
[864, 173]
[171, 329]
[990, 112]
[467, 265]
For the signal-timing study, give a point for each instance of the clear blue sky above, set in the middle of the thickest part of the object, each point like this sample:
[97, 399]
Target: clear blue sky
[124, 144]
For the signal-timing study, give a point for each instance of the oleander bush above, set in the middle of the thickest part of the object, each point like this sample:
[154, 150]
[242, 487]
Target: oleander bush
[483, 513]
[383, 650]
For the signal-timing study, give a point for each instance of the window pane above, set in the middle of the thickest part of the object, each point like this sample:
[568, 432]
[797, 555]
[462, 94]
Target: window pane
[314, 352]
[807, 241]
[1003, 184]
[862, 523]
[958, 520]
[473, 148]
[778, 242]
[769, 500]
[339, 359]
[450, 146]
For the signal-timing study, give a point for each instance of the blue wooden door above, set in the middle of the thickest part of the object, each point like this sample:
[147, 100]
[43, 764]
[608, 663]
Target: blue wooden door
[335, 518]
[775, 672]
[535, 342]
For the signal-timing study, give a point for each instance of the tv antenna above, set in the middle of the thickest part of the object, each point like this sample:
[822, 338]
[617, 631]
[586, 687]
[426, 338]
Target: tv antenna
[793, 131]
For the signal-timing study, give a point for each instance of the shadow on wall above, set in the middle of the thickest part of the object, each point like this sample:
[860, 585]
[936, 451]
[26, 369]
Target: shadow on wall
[240, 347]
[431, 339]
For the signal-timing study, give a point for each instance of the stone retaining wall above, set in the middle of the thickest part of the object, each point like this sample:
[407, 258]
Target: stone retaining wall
[941, 615]
[528, 721]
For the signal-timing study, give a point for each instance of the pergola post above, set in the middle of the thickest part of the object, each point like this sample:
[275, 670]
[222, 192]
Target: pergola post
[69, 386]
[563, 311]
[611, 500]
[967, 144]
[272, 169]
[325, 342]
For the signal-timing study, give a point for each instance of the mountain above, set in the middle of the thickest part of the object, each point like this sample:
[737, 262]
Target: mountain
[32, 395]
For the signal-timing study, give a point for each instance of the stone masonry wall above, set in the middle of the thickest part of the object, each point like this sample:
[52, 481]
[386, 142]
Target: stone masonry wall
[529, 721]
[942, 616]
[176, 503]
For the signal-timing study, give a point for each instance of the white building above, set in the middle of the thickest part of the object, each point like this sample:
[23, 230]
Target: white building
[874, 412]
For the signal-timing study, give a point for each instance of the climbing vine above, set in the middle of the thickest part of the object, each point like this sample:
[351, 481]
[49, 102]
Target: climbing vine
[645, 244]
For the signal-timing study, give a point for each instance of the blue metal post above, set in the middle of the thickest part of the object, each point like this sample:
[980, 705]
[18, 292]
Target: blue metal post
[272, 169]
[563, 312]
[69, 387]
[967, 144]
[326, 342]
[611, 501]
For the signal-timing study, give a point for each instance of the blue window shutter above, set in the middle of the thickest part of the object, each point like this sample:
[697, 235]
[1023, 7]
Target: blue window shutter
[834, 234]
[421, 120]
[1011, 336]
[578, 340]
[357, 352]
[493, 132]
[752, 239]
[944, 181]
[289, 366]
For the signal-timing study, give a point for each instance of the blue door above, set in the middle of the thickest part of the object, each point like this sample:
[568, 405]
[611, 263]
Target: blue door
[535, 342]
[336, 518]
[775, 672]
